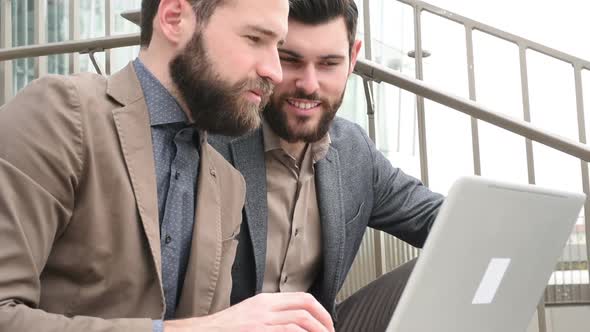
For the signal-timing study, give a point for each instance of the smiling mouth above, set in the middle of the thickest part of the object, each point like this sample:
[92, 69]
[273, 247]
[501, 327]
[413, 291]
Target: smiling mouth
[304, 105]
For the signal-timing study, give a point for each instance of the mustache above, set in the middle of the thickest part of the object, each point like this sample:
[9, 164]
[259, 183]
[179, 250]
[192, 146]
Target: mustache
[300, 94]
[265, 86]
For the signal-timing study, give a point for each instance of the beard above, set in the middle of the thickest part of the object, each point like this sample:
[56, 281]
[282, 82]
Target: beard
[278, 120]
[216, 105]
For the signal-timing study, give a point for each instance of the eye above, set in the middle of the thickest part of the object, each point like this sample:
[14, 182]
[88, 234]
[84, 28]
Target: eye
[329, 63]
[288, 60]
[254, 39]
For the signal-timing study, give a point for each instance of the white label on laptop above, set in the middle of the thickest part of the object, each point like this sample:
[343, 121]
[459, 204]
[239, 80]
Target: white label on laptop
[491, 281]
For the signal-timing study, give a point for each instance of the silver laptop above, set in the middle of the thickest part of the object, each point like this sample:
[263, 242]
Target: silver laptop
[488, 258]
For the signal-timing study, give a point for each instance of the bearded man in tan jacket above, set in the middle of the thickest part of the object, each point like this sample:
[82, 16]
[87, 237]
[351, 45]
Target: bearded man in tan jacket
[115, 213]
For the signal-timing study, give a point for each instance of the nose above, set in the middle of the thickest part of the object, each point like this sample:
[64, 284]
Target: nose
[270, 67]
[307, 80]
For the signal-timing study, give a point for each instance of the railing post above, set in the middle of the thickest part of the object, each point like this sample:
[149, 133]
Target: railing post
[368, 85]
[419, 99]
[583, 164]
[526, 106]
[378, 237]
[108, 26]
[5, 42]
[74, 32]
[472, 96]
[40, 14]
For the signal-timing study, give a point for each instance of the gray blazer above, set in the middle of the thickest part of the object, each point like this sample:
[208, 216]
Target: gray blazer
[357, 187]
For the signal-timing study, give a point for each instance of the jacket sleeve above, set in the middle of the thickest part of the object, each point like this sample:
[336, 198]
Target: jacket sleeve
[41, 160]
[403, 206]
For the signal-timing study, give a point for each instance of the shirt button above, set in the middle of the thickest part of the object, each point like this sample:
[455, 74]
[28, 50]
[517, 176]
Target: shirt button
[285, 279]
[168, 239]
[177, 175]
[296, 231]
[212, 172]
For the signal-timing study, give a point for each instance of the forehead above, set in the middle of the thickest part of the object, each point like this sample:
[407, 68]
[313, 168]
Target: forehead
[270, 15]
[311, 40]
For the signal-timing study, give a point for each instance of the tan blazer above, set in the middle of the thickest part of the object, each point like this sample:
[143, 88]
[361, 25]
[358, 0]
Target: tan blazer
[79, 229]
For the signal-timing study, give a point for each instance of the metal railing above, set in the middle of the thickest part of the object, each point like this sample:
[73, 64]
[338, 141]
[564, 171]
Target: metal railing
[524, 45]
[374, 73]
[373, 242]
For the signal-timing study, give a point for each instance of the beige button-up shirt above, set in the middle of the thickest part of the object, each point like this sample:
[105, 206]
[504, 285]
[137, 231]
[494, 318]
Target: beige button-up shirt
[294, 241]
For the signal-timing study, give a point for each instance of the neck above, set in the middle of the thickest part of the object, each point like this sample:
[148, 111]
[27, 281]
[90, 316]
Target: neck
[153, 62]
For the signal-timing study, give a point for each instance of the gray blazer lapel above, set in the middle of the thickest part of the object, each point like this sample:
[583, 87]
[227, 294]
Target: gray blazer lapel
[248, 158]
[329, 191]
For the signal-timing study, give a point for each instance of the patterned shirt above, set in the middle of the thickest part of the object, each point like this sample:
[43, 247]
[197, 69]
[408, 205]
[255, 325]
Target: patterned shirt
[176, 156]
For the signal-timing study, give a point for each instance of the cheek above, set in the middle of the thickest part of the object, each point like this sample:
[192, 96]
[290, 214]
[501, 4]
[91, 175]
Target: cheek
[231, 59]
[336, 91]
[234, 68]
[334, 85]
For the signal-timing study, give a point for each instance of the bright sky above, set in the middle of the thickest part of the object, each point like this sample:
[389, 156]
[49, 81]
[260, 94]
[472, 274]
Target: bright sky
[559, 24]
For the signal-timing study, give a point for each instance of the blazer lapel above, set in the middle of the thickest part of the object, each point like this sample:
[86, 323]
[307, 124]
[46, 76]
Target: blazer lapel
[248, 158]
[329, 191]
[203, 269]
[133, 128]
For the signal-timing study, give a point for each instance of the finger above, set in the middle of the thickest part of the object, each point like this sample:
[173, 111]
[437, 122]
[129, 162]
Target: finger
[305, 301]
[285, 328]
[300, 318]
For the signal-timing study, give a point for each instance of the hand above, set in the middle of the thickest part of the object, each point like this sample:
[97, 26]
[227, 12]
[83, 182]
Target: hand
[264, 312]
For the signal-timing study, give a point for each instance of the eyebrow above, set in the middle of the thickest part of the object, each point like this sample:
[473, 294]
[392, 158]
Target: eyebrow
[323, 57]
[266, 32]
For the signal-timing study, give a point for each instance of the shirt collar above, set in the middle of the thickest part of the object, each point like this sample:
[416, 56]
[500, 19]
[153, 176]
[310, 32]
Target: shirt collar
[319, 149]
[163, 108]
[272, 141]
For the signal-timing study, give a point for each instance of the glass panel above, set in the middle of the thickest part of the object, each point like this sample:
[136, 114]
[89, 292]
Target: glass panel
[121, 25]
[395, 116]
[57, 31]
[120, 57]
[23, 33]
[92, 25]
[497, 73]
[360, 30]
[354, 106]
[392, 25]
[392, 32]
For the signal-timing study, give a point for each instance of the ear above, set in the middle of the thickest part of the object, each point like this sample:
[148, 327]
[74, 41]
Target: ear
[176, 20]
[354, 52]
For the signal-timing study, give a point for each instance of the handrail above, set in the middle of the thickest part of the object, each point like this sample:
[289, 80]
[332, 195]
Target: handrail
[364, 68]
[379, 73]
[75, 46]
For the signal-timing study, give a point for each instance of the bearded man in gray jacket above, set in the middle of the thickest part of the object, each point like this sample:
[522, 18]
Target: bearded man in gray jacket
[315, 182]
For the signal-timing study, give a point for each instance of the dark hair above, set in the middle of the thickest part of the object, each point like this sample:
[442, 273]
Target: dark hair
[203, 9]
[322, 11]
